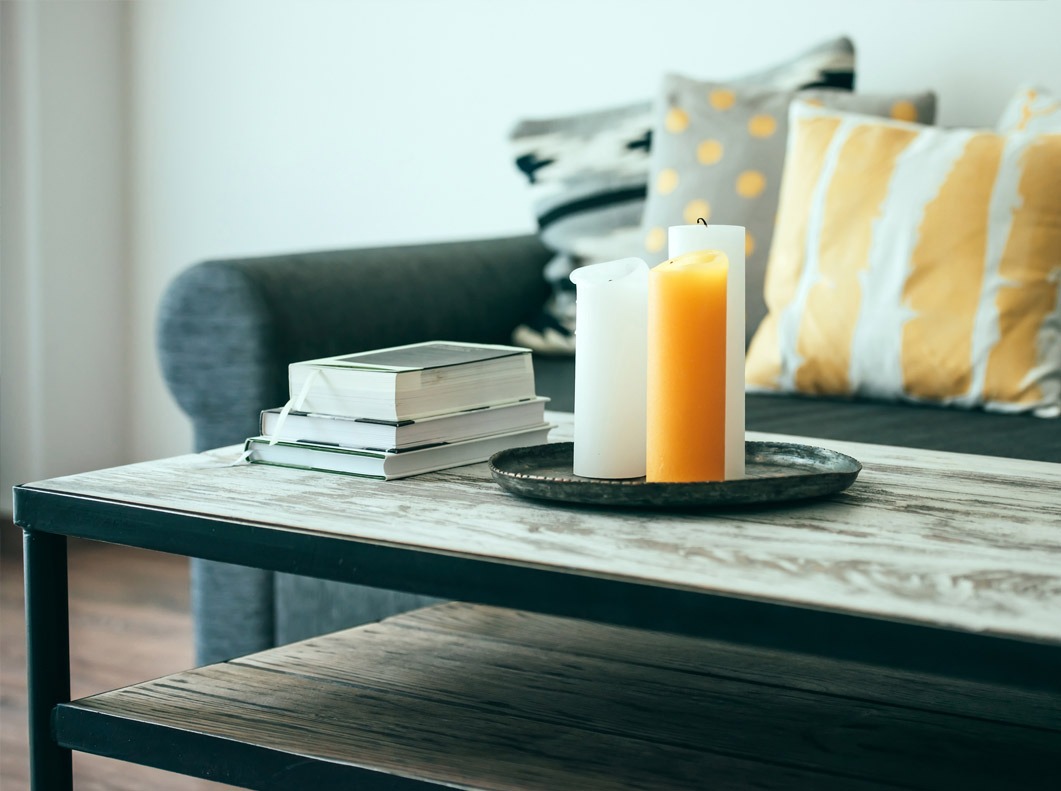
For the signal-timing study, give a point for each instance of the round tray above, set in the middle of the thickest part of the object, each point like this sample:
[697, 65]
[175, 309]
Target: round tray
[774, 472]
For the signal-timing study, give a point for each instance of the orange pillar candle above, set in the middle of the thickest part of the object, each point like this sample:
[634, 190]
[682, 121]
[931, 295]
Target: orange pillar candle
[686, 410]
[731, 240]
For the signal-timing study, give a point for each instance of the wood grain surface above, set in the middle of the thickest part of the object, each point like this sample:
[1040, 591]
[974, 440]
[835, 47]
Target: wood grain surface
[486, 698]
[942, 539]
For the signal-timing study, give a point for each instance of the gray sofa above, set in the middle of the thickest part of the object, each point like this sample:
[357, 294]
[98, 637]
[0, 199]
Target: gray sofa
[228, 329]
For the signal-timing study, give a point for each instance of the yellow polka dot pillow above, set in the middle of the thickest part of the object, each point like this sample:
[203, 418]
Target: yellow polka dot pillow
[587, 175]
[915, 263]
[718, 151]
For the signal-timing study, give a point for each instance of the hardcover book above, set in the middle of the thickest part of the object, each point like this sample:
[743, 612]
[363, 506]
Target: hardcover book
[403, 434]
[385, 465]
[414, 381]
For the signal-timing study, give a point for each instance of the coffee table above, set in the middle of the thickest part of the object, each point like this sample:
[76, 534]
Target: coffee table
[927, 596]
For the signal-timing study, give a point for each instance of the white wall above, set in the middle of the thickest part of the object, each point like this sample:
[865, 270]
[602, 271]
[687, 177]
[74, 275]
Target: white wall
[65, 300]
[261, 126]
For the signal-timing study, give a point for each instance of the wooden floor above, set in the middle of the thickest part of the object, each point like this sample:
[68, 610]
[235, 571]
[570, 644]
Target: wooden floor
[125, 603]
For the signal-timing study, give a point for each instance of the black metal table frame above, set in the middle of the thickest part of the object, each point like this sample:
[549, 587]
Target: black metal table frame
[48, 518]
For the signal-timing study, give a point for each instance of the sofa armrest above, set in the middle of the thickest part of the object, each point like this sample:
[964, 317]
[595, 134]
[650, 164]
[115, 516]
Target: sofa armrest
[227, 330]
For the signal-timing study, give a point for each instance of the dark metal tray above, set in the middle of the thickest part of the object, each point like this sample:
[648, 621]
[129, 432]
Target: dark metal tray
[775, 472]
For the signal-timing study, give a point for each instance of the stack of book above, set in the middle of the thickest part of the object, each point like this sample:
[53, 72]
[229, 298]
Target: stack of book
[403, 411]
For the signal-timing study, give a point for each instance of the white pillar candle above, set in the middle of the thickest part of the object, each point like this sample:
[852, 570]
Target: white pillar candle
[611, 336]
[730, 240]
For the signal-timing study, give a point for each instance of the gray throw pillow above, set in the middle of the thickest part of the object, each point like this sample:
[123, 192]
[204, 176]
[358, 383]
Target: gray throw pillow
[718, 152]
[588, 175]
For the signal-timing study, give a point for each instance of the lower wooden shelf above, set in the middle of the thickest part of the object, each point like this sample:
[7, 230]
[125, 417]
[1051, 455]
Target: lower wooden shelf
[485, 698]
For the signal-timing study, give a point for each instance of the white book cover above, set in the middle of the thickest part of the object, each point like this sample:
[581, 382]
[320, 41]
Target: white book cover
[413, 381]
[403, 434]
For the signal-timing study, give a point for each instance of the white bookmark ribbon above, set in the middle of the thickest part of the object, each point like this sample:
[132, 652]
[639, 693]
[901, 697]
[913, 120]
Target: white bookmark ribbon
[295, 404]
[292, 404]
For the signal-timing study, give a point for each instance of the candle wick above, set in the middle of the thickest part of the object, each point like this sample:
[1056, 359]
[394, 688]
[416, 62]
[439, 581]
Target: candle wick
[701, 221]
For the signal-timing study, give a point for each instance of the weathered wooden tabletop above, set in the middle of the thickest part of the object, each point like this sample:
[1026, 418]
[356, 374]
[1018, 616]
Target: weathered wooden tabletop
[938, 539]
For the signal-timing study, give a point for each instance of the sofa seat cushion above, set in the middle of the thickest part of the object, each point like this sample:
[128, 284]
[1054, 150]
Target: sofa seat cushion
[861, 420]
[908, 425]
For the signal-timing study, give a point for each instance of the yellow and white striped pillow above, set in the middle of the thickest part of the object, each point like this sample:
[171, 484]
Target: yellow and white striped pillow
[1031, 110]
[916, 263]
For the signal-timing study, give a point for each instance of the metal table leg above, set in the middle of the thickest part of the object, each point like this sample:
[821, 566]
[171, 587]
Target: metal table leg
[47, 655]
